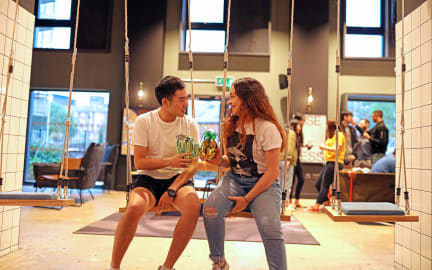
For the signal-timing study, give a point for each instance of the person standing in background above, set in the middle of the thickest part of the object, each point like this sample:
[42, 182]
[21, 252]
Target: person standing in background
[377, 136]
[363, 147]
[351, 138]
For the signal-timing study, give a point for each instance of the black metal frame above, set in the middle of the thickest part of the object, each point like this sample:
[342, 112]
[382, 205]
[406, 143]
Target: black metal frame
[365, 30]
[202, 26]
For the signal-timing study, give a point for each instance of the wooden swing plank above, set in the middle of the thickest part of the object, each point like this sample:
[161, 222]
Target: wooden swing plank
[368, 218]
[37, 202]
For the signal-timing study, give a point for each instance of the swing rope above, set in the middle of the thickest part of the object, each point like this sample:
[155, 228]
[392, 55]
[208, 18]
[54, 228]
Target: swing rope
[126, 67]
[191, 61]
[222, 115]
[402, 163]
[8, 79]
[64, 166]
[336, 194]
[287, 128]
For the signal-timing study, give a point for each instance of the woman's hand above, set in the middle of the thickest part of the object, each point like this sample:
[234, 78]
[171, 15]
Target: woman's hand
[240, 204]
[217, 159]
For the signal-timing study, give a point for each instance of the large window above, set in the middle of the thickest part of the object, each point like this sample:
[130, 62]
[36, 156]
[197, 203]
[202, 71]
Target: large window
[208, 25]
[365, 30]
[362, 106]
[46, 128]
[54, 23]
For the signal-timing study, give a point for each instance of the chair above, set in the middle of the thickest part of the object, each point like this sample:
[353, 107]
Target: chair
[82, 177]
[109, 166]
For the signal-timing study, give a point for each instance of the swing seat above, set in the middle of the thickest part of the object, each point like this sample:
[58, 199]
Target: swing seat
[369, 212]
[371, 208]
[32, 199]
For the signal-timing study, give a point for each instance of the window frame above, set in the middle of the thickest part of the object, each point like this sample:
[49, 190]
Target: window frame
[201, 26]
[346, 30]
[56, 23]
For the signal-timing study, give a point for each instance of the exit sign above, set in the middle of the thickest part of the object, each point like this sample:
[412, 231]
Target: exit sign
[220, 81]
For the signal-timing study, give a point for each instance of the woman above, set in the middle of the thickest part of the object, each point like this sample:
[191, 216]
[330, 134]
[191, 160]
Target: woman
[253, 141]
[298, 168]
[294, 144]
[326, 176]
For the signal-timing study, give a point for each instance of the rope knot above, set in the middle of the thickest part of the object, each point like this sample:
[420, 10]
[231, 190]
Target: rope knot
[68, 121]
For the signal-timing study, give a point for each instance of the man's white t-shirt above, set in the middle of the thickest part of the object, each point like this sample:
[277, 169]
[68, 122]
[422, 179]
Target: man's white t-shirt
[161, 138]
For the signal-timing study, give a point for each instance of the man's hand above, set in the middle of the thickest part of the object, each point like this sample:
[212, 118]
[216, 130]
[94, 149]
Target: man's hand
[351, 158]
[179, 161]
[165, 202]
[366, 135]
[240, 204]
[353, 123]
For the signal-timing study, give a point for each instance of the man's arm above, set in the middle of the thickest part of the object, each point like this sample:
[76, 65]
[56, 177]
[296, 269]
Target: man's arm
[143, 163]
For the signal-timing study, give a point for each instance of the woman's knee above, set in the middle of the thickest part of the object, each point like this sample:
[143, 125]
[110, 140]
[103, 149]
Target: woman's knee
[270, 228]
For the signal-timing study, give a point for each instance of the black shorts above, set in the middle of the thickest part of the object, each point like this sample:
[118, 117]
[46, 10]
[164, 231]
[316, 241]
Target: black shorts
[156, 186]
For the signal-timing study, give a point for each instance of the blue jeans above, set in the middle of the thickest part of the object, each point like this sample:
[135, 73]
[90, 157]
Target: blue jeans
[290, 177]
[265, 209]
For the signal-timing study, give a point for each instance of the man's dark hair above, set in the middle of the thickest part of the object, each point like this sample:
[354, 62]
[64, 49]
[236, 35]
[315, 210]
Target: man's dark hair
[298, 116]
[167, 87]
[364, 119]
[379, 113]
[345, 113]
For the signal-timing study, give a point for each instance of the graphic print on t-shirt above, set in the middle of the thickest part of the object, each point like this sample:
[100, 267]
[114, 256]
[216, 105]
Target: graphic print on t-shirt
[241, 160]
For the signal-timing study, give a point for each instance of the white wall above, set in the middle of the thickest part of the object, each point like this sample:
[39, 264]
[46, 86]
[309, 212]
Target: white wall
[16, 116]
[413, 240]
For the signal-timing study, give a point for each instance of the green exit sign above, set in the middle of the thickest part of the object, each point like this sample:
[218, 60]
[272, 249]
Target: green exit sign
[220, 81]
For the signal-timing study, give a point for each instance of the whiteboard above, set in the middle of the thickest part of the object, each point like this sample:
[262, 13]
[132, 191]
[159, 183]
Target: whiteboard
[314, 132]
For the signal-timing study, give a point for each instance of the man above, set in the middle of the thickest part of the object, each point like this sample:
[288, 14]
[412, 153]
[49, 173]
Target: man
[378, 136]
[363, 146]
[387, 164]
[158, 164]
[350, 136]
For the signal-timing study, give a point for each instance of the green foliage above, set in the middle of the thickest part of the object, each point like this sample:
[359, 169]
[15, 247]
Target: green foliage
[57, 122]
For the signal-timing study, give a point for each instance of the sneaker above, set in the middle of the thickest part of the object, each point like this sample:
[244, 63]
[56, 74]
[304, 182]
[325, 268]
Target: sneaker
[313, 210]
[217, 266]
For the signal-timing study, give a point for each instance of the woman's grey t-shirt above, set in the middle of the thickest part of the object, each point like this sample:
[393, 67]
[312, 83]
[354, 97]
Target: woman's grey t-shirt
[250, 159]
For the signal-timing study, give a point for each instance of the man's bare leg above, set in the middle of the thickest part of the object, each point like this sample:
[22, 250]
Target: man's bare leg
[187, 202]
[141, 200]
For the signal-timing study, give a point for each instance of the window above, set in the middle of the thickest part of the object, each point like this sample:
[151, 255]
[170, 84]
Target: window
[53, 25]
[365, 28]
[208, 25]
[46, 125]
[362, 106]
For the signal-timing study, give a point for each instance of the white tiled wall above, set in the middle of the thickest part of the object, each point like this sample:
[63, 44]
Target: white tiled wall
[413, 241]
[15, 129]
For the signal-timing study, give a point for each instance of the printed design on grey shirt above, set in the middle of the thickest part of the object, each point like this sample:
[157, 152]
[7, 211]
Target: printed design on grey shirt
[241, 160]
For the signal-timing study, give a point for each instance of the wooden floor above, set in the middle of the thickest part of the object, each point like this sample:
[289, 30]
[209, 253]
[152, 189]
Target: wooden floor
[47, 243]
